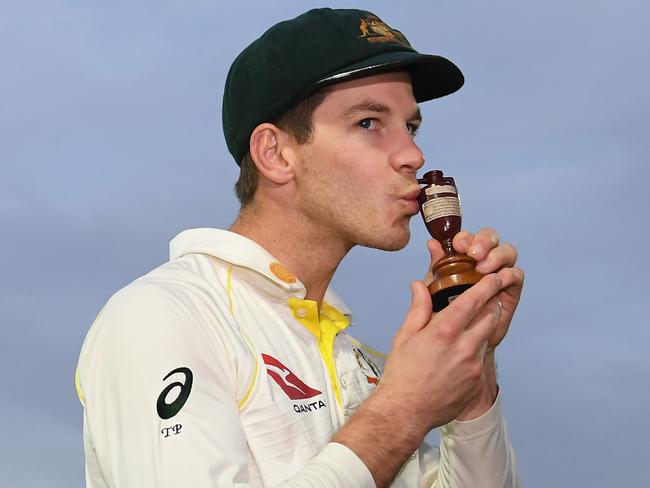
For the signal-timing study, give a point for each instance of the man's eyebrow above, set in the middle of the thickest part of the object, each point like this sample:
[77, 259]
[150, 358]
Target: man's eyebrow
[372, 106]
[365, 106]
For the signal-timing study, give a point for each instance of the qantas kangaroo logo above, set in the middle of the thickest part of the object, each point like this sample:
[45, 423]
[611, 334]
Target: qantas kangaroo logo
[293, 386]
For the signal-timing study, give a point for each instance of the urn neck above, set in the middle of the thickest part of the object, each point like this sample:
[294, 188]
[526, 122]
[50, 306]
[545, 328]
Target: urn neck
[447, 246]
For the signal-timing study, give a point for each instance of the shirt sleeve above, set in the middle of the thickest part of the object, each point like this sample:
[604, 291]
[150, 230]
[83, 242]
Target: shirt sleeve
[472, 453]
[158, 394]
[335, 466]
[160, 388]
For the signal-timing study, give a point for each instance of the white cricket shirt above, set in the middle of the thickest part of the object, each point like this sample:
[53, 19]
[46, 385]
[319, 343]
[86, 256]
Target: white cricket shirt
[213, 371]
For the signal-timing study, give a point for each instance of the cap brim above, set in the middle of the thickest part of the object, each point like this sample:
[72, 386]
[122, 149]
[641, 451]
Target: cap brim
[432, 76]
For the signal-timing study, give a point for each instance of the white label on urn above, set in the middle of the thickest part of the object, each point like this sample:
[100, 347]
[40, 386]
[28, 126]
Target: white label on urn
[435, 189]
[440, 207]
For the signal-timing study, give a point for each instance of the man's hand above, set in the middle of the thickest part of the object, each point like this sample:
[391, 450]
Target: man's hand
[487, 307]
[436, 360]
[491, 257]
[441, 366]
[433, 372]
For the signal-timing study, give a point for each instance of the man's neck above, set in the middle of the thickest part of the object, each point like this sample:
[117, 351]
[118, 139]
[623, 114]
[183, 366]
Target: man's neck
[299, 245]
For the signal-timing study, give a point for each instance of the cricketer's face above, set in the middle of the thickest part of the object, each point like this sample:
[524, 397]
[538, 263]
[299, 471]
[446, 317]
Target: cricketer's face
[357, 176]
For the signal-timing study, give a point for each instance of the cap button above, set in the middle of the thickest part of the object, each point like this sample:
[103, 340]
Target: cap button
[282, 273]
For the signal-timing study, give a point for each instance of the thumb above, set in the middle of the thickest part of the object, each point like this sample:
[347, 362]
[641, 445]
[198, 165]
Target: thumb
[418, 315]
[435, 249]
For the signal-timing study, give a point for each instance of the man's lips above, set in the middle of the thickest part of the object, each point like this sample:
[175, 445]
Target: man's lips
[412, 194]
[411, 200]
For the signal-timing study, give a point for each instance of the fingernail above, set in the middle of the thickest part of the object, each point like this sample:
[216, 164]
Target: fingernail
[473, 251]
[499, 309]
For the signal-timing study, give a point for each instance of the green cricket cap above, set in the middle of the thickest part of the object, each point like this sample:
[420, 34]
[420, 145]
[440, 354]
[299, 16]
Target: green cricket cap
[321, 47]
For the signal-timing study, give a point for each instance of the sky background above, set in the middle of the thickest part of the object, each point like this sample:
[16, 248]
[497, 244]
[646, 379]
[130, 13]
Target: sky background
[111, 144]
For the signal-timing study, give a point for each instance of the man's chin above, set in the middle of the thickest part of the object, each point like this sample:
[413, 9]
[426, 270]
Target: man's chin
[391, 242]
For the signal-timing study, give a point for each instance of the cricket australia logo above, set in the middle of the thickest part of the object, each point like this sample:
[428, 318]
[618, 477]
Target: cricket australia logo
[375, 30]
[368, 368]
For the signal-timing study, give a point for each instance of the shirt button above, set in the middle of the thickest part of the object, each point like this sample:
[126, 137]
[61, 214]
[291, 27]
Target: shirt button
[301, 312]
[343, 382]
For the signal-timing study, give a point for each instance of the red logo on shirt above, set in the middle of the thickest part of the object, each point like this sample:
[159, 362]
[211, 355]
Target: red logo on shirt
[293, 386]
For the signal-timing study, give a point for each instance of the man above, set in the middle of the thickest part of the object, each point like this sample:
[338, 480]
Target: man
[230, 364]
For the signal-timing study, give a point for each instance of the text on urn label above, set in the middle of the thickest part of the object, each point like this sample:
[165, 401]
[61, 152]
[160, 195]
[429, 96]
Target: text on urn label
[440, 207]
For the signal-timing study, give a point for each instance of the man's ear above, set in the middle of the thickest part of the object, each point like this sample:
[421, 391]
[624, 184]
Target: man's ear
[267, 148]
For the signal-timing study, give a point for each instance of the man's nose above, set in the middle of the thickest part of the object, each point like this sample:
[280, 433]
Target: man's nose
[407, 153]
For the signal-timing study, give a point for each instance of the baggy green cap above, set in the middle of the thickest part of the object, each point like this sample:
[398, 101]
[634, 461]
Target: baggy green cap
[323, 46]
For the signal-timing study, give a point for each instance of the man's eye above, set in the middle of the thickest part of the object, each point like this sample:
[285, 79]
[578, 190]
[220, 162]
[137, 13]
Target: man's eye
[367, 123]
[413, 129]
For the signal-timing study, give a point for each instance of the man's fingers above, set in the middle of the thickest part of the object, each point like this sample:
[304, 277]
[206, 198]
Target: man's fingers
[418, 315]
[462, 241]
[484, 241]
[484, 324]
[500, 257]
[436, 250]
[478, 245]
[511, 277]
[513, 282]
[460, 313]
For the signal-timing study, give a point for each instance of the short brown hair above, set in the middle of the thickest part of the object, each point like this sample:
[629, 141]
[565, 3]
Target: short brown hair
[297, 121]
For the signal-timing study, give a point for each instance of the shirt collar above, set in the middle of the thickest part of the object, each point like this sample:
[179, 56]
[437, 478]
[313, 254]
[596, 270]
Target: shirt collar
[243, 252]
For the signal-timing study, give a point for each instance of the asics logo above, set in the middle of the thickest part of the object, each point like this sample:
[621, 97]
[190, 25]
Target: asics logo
[293, 386]
[168, 410]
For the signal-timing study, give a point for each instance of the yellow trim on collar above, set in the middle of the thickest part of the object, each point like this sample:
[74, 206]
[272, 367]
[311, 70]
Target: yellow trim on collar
[324, 327]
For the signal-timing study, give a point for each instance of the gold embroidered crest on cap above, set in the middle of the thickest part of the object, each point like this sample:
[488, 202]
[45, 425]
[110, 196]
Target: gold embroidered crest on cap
[279, 270]
[376, 30]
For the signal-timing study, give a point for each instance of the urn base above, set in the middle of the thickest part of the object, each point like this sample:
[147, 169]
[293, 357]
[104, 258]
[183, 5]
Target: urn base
[452, 275]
